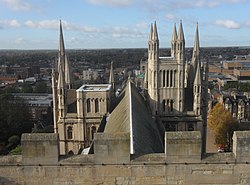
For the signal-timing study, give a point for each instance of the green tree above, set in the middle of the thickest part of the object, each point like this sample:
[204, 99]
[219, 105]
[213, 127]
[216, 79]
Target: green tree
[221, 122]
[40, 87]
[15, 118]
[26, 88]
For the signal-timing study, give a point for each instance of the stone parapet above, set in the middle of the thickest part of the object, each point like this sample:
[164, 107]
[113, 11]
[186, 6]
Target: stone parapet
[111, 148]
[40, 148]
[241, 146]
[183, 147]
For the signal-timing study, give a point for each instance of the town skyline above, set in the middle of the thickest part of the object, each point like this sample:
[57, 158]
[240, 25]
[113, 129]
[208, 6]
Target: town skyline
[99, 24]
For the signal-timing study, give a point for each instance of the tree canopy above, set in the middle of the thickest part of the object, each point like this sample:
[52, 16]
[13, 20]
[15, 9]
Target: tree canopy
[243, 87]
[221, 122]
[15, 118]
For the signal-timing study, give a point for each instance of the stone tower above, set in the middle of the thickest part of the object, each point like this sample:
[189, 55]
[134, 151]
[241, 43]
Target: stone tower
[77, 112]
[153, 64]
[176, 89]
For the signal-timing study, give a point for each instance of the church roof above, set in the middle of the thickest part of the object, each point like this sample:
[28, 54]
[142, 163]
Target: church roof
[133, 116]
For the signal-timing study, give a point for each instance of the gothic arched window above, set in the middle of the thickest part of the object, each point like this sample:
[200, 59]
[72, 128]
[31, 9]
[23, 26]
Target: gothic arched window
[171, 78]
[164, 78]
[171, 105]
[70, 132]
[163, 105]
[93, 130]
[88, 105]
[96, 105]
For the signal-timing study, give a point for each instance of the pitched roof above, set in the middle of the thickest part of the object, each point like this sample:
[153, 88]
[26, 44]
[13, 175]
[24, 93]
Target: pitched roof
[133, 116]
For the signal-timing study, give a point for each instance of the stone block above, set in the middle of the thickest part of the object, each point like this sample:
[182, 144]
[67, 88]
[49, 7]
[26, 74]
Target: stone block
[183, 147]
[112, 148]
[241, 146]
[40, 148]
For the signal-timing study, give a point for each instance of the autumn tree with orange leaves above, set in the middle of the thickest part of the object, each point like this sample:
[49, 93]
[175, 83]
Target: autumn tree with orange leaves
[222, 124]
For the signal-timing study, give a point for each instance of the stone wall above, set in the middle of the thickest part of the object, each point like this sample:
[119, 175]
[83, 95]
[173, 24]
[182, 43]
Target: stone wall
[217, 168]
[141, 173]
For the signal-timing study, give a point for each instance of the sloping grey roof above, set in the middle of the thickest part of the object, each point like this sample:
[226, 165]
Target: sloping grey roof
[133, 116]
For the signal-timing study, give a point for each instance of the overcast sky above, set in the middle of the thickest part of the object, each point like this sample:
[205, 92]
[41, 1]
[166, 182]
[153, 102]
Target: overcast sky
[87, 24]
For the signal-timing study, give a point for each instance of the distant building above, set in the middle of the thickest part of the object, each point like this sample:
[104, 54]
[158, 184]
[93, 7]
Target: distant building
[39, 104]
[238, 105]
[92, 74]
[9, 78]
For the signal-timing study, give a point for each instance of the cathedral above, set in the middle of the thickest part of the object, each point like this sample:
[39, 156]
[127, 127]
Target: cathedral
[175, 90]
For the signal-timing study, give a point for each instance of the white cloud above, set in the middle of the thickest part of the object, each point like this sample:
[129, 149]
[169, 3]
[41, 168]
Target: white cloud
[10, 23]
[170, 16]
[17, 5]
[117, 3]
[54, 24]
[142, 25]
[20, 40]
[228, 24]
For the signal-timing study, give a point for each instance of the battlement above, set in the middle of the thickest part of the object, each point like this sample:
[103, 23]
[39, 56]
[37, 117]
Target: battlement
[180, 147]
[112, 162]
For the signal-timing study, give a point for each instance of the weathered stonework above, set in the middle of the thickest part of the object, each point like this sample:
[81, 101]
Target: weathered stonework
[216, 169]
[40, 149]
[183, 146]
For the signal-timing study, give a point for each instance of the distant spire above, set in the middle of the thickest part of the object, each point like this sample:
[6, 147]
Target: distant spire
[61, 41]
[186, 75]
[155, 34]
[67, 73]
[174, 41]
[197, 80]
[174, 35]
[111, 76]
[61, 80]
[146, 79]
[180, 32]
[151, 32]
[196, 50]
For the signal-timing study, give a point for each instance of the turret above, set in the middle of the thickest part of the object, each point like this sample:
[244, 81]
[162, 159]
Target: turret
[196, 50]
[68, 80]
[111, 76]
[186, 75]
[55, 100]
[61, 90]
[146, 80]
[180, 44]
[150, 43]
[63, 60]
[152, 73]
[174, 42]
[155, 43]
[197, 91]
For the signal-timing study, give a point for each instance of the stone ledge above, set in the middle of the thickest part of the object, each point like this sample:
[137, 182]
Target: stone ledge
[39, 137]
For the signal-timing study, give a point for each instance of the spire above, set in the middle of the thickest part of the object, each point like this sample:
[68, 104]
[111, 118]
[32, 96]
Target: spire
[197, 80]
[174, 35]
[174, 41]
[61, 41]
[196, 50]
[151, 32]
[180, 33]
[111, 76]
[146, 79]
[67, 73]
[186, 75]
[61, 80]
[155, 33]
